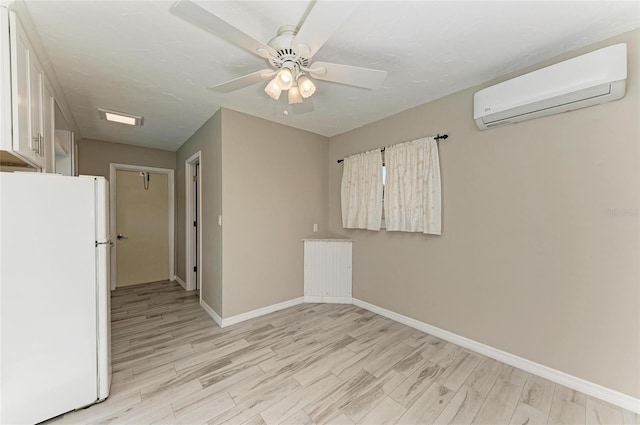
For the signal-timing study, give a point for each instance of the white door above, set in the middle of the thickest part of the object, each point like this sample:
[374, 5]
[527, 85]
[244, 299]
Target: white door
[142, 226]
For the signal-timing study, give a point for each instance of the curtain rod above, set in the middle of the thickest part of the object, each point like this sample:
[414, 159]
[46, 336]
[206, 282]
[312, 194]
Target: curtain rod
[437, 137]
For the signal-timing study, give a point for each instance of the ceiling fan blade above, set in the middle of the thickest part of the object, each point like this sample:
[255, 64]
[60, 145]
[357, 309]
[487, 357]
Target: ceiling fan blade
[322, 21]
[244, 81]
[200, 17]
[350, 75]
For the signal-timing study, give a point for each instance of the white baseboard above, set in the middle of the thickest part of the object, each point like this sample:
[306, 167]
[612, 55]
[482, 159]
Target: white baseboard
[211, 312]
[180, 281]
[260, 312]
[603, 393]
[328, 300]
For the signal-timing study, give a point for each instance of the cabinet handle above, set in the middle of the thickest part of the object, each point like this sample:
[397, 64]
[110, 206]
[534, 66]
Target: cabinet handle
[35, 144]
[42, 145]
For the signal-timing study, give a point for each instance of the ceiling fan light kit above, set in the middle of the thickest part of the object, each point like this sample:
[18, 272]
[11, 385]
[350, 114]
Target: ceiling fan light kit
[294, 95]
[284, 78]
[306, 86]
[273, 89]
[289, 54]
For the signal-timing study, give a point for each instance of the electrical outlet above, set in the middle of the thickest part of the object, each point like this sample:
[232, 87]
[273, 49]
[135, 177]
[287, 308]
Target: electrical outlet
[315, 228]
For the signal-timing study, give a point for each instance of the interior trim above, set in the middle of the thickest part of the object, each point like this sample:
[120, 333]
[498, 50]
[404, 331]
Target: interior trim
[328, 300]
[260, 312]
[180, 281]
[190, 216]
[211, 312]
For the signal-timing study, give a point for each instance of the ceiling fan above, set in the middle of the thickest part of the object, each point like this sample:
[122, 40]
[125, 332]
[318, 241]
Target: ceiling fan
[290, 53]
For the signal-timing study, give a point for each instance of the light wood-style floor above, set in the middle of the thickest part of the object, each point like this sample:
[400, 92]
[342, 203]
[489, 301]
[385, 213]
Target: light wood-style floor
[313, 363]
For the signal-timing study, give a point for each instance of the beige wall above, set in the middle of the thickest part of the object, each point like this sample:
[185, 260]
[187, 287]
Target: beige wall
[269, 183]
[94, 157]
[207, 140]
[274, 190]
[529, 261]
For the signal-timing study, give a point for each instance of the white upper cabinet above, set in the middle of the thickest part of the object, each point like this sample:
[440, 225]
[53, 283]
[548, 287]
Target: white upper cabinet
[32, 112]
[20, 90]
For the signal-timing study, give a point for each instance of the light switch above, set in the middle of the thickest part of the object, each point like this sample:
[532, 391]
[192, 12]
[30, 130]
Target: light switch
[315, 228]
[219, 220]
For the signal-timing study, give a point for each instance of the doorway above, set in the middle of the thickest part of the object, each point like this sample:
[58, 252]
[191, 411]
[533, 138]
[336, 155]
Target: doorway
[193, 229]
[142, 224]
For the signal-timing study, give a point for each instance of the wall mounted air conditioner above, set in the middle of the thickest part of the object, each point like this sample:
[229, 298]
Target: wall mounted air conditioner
[587, 80]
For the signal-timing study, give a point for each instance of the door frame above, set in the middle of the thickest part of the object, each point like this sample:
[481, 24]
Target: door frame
[190, 214]
[113, 169]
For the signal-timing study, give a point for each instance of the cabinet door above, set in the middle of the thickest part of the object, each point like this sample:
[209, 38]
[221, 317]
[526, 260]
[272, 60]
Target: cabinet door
[21, 100]
[36, 84]
[48, 131]
[26, 87]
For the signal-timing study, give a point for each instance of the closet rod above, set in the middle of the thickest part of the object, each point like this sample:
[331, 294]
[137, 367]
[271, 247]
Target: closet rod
[437, 137]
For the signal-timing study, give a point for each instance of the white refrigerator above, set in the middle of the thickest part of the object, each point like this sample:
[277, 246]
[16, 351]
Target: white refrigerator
[54, 295]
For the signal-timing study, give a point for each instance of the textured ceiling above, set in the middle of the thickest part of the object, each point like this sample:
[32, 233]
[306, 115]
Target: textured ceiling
[136, 57]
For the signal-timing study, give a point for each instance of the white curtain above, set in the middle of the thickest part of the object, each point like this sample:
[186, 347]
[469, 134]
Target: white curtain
[412, 199]
[362, 191]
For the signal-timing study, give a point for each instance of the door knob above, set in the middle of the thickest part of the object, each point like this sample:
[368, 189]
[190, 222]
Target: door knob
[121, 236]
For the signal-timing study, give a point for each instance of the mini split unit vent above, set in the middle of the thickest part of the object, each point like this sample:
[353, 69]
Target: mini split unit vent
[587, 80]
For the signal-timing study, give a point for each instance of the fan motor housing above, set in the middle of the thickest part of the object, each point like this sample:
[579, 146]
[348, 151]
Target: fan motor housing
[285, 52]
